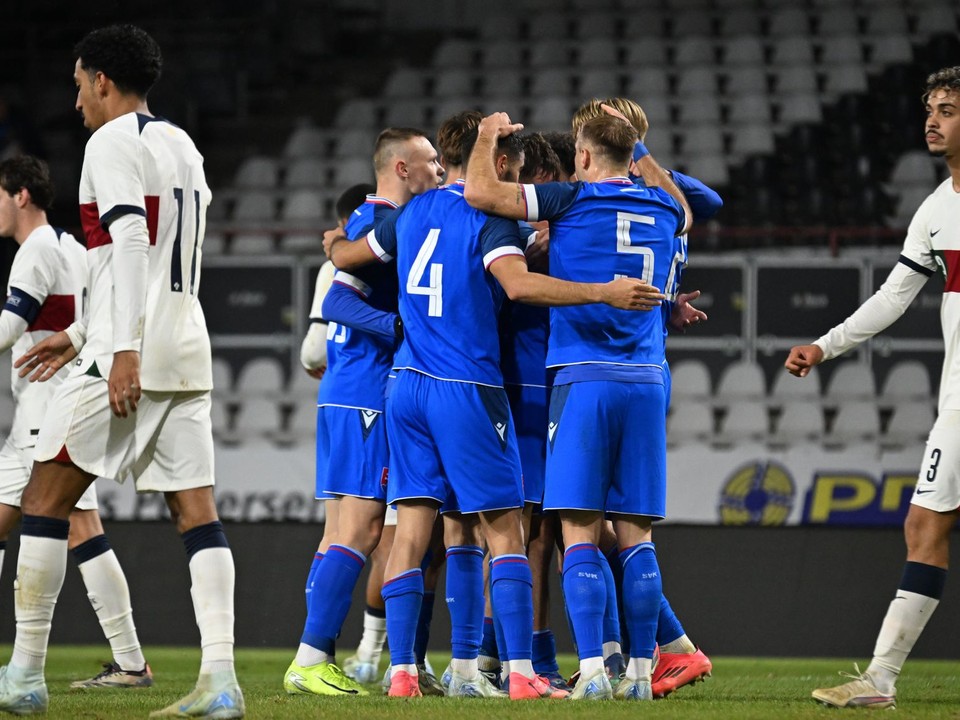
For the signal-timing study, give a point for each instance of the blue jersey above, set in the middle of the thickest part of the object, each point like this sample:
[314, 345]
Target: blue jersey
[523, 339]
[448, 303]
[359, 377]
[598, 232]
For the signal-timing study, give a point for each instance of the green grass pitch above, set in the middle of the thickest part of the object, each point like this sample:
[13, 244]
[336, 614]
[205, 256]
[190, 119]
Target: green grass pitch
[740, 688]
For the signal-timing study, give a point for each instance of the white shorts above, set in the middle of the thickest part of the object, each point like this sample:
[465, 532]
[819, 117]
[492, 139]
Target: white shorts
[390, 519]
[15, 465]
[938, 484]
[167, 444]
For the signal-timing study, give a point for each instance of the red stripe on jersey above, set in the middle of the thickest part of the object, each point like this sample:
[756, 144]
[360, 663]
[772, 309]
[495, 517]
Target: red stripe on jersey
[951, 259]
[56, 314]
[152, 203]
[92, 229]
[97, 236]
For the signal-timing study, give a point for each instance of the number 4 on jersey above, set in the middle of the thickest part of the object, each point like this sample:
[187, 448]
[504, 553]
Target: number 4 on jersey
[434, 290]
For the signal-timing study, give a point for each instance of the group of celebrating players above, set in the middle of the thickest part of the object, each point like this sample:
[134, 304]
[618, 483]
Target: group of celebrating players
[448, 390]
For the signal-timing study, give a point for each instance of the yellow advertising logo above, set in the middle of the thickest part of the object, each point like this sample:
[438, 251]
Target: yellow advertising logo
[761, 493]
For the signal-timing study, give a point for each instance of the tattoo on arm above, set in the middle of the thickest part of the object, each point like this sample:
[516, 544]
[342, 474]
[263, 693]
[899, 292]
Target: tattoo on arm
[520, 198]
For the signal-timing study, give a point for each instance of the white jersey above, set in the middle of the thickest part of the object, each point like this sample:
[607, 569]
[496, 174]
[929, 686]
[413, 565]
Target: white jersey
[932, 245]
[46, 288]
[144, 177]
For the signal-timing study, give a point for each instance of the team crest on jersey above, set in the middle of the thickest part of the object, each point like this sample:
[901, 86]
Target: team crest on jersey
[368, 418]
[498, 411]
[558, 400]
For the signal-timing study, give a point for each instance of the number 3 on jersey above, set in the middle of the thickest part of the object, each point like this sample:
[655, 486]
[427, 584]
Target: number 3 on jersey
[434, 290]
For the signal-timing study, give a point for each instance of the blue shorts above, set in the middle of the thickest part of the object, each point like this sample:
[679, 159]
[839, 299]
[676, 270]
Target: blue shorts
[452, 442]
[323, 459]
[528, 406]
[607, 448]
[357, 454]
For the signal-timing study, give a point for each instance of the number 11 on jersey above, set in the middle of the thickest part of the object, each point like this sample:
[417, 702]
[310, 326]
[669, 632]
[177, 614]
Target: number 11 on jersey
[434, 290]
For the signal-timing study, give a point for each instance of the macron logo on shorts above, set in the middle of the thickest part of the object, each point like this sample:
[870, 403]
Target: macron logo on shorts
[501, 429]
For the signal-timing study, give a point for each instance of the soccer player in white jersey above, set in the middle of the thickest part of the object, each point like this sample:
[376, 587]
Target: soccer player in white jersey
[44, 295]
[144, 354]
[932, 245]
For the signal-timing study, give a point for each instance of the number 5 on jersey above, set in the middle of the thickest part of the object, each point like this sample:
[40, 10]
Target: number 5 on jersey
[434, 290]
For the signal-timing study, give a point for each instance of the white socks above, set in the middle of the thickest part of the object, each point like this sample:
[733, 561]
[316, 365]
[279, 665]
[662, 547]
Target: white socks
[589, 666]
[212, 579]
[464, 668]
[639, 668]
[682, 646]
[110, 597]
[374, 634]
[41, 567]
[906, 617]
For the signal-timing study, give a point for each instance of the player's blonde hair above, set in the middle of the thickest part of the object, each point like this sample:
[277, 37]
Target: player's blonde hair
[631, 110]
[610, 138]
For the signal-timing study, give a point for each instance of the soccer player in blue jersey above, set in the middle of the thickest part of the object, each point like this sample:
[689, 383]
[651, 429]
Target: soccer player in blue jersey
[350, 422]
[451, 432]
[680, 661]
[607, 431]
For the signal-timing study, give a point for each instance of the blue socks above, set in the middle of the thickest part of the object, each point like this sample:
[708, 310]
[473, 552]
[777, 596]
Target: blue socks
[511, 590]
[337, 575]
[584, 588]
[488, 640]
[544, 653]
[668, 626]
[465, 599]
[403, 595]
[611, 614]
[311, 576]
[642, 593]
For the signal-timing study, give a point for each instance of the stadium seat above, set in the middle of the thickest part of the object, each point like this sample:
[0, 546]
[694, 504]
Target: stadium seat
[690, 21]
[260, 376]
[696, 81]
[910, 423]
[800, 108]
[456, 53]
[750, 109]
[744, 421]
[220, 413]
[644, 83]
[742, 50]
[856, 421]
[689, 422]
[357, 113]
[305, 140]
[502, 54]
[657, 110]
[886, 19]
[257, 172]
[551, 113]
[454, 81]
[841, 50]
[405, 112]
[694, 50]
[451, 106]
[303, 215]
[836, 19]
[800, 421]
[907, 198]
[252, 243]
[404, 83]
[907, 380]
[306, 172]
[514, 106]
[746, 81]
[890, 49]
[788, 20]
[214, 242]
[552, 27]
[648, 53]
[710, 169]
[354, 143]
[705, 111]
[222, 377]
[845, 79]
[741, 381]
[752, 139]
[739, 21]
[936, 17]
[702, 139]
[650, 24]
[790, 389]
[600, 83]
[852, 380]
[551, 52]
[792, 50]
[6, 363]
[257, 416]
[690, 381]
[551, 81]
[595, 28]
[351, 171]
[916, 167]
[598, 52]
[302, 422]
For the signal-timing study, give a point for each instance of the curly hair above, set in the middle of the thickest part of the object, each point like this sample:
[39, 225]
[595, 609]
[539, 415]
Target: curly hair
[451, 132]
[124, 53]
[26, 171]
[538, 157]
[947, 78]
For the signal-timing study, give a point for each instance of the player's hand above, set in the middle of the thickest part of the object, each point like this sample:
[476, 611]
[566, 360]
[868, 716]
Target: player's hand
[317, 372]
[631, 294]
[499, 125]
[802, 358]
[46, 357]
[610, 110]
[124, 382]
[538, 252]
[331, 237]
[684, 314]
